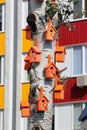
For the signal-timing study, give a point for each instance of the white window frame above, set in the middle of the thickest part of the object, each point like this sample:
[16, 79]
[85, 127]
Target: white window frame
[3, 17]
[56, 112]
[83, 9]
[24, 13]
[2, 69]
[24, 72]
[83, 60]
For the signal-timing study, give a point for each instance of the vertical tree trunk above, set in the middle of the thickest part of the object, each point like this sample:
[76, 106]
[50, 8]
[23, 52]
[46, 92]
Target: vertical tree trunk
[43, 120]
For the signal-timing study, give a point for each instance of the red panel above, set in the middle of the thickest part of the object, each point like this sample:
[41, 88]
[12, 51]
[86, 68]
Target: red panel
[78, 36]
[73, 93]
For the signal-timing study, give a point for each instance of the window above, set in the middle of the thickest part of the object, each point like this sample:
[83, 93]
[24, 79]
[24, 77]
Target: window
[25, 75]
[77, 112]
[2, 17]
[1, 70]
[79, 60]
[80, 8]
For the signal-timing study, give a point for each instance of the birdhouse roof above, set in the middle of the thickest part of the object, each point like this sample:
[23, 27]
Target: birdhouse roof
[59, 87]
[51, 64]
[36, 49]
[27, 58]
[24, 104]
[60, 49]
[43, 96]
[50, 27]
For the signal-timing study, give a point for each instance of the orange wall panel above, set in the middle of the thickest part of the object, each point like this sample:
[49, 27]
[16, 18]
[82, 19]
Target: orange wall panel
[2, 1]
[1, 97]
[26, 43]
[2, 43]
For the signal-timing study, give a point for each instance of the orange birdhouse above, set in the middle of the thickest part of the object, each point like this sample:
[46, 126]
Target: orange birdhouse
[50, 32]
[42, 102]
[28, 32]
[27, 64]
[25, 108]
[60, 53]
[50, 69]
[35, 53]
[58, 91]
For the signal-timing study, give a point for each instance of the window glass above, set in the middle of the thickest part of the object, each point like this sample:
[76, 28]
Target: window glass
[0, 17]
[77, 112]
[77, 8]
[86, 59]
[77, 60]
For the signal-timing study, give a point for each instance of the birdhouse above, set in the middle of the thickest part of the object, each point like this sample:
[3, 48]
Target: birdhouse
[28, 32]
[60, 53]
[27, 64]
[50, 69]
[25, 108]
[58, 91]
[35, 53]
[42, 102]
[50, 32]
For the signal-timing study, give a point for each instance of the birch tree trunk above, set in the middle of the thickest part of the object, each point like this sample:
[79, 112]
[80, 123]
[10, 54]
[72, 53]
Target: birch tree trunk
[37, 80]
[42, 120]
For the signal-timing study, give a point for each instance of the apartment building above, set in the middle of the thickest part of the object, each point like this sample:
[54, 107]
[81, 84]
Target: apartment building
[67, 111]
[14, 80]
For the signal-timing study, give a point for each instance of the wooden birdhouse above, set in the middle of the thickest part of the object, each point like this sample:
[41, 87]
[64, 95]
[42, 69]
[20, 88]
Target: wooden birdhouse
[28, 32]
[35, 53]
[27, 64]
[50, 69]
[60, 53]
[58, 91]
[25, 108]
[42, 102]
[50, 32]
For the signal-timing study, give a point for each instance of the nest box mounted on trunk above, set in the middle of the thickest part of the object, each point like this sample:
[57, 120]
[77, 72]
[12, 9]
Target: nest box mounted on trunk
[50, 32]
[42, 102]
[35, 53]
[25, 108]
[59, 53]
[58, 91]
[50, 69]
[28, 32]
[27, 64]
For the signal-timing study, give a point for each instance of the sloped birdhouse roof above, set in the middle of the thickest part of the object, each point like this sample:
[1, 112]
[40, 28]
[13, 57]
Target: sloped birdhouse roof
[42, 95]
[35, 47]
[50, 26]
[27, 58]
[50, 63]
[60, 48]
[24, 104]
[59, 87]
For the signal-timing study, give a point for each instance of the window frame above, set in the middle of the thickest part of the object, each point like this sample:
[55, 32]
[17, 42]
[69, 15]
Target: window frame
[83, 60]
[84, 16]
[2, 70]
[3, 18]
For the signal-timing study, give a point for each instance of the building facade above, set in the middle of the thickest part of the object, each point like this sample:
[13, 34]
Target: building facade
[14, 80]
[67, 111]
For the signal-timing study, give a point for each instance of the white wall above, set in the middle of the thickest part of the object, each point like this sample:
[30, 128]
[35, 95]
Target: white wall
[63, 117]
